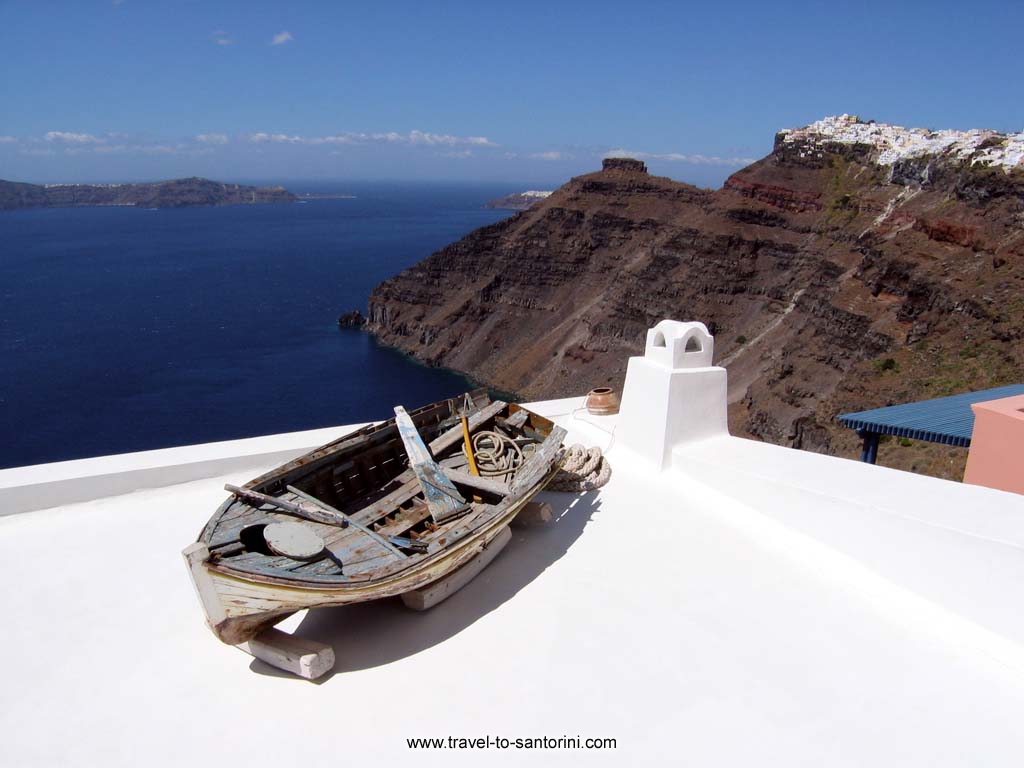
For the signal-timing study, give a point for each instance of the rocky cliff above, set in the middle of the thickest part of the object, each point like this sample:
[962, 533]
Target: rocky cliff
[177, 193]
[518, 201]
[855, 266]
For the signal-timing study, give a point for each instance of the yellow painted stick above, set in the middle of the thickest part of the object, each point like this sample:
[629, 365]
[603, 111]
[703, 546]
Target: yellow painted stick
[469, 446]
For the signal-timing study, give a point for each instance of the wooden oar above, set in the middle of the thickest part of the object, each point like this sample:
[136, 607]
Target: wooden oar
[316, 515]
[349, 521]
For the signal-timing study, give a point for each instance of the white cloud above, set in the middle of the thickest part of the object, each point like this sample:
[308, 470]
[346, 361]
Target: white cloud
[341, 138]
[546, 155]
[66, 137]
[675, 157]
[282, 37]
[417, 138]
[8, 140]
[220, 37]
[36, 152]
[459, 154]
[212, 138]
[277, 138]
[136, 149]
[444, 139]
[284, 138]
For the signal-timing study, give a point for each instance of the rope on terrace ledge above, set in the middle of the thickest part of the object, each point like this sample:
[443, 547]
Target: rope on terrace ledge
[581, 469]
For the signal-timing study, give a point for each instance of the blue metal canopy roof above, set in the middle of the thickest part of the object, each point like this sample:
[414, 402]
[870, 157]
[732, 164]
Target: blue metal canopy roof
[948, 420]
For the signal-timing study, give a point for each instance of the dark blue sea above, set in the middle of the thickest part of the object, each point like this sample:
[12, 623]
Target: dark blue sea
[124, 329]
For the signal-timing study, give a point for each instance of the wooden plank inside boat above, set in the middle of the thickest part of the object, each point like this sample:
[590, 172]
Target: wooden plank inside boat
[441, 495]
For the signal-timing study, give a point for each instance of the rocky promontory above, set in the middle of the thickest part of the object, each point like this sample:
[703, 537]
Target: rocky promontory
[855, 266]
[518, 201]
[177, 193]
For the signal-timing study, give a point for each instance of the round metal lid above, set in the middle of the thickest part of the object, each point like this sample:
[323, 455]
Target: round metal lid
[294, 540]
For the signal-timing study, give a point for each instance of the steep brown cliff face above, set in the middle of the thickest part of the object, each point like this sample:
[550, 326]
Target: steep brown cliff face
[831, 283]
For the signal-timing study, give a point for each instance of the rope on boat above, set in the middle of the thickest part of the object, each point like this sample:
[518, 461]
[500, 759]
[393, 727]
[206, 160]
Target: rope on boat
[581, 469]
[495, 454]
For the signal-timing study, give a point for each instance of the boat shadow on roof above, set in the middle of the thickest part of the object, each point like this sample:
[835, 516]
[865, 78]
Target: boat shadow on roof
[372, 634]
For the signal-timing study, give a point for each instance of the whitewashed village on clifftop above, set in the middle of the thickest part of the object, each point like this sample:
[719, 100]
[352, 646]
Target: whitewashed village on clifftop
[894, 142]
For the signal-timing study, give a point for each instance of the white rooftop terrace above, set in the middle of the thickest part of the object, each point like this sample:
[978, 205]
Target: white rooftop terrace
[719, 602]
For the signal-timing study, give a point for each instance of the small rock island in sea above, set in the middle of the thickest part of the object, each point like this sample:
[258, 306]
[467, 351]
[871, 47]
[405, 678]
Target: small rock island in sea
[176, 193]
[353, 319]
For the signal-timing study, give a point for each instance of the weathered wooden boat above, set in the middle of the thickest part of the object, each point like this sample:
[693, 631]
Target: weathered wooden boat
[384, 511]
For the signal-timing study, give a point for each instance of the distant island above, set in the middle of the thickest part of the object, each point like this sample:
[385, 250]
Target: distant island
[518, 201]
[176, 193]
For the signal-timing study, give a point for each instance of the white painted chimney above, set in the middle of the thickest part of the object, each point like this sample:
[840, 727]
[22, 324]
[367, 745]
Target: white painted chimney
[673, 394]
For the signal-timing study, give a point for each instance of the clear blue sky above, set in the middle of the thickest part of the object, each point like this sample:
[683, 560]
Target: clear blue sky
[449, 90]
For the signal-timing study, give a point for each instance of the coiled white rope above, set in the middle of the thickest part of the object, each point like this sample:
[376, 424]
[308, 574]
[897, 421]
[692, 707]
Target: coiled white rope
[495, 454]
[581, 469]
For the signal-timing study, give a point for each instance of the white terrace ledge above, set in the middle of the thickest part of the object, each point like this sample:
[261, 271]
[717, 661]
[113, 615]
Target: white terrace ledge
[719, 602]
[24, 489]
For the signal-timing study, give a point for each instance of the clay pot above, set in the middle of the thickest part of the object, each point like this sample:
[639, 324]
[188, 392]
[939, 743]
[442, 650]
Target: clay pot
[602, 401]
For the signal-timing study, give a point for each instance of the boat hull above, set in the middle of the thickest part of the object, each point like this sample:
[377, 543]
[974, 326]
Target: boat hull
[238, 608]
[387, 504]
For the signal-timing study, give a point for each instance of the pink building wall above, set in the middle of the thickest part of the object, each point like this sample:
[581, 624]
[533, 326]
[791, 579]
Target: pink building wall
[996, 458]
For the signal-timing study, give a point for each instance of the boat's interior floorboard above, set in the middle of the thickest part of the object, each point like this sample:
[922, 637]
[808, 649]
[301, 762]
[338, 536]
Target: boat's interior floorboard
[230, 531]
[403, 520]
[277, 562]
[403, 488]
